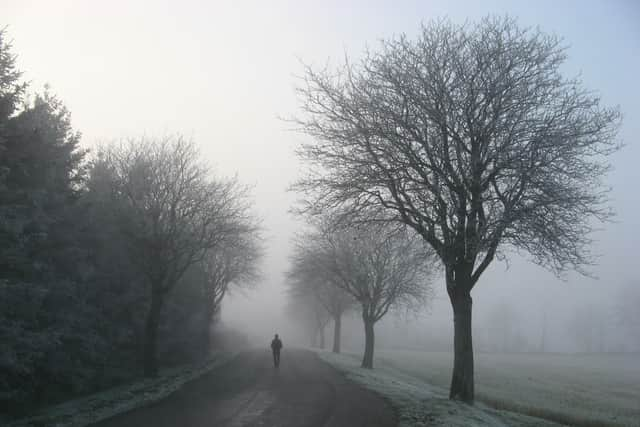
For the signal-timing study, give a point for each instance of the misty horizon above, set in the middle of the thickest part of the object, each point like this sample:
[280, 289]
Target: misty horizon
[228, 78]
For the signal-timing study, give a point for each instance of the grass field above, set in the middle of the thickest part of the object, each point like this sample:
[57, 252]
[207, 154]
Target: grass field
[576, 389]
[420, 404]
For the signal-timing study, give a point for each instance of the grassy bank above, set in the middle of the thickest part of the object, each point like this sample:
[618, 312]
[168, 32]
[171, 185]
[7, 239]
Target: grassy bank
[419, 403]
[97, 407]
[577, 389]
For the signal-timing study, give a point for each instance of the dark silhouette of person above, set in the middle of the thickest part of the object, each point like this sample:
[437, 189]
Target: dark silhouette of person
[276, 346]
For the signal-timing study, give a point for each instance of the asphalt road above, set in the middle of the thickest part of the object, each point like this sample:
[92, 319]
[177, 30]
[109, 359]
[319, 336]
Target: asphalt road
[249, 391]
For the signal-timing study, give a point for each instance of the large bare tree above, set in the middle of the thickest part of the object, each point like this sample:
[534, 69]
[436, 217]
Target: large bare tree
[472, 136]
[176, 211]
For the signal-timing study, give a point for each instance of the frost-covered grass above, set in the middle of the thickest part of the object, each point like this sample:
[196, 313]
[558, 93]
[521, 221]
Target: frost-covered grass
[100, 406]
[576, 389]
[422, 404]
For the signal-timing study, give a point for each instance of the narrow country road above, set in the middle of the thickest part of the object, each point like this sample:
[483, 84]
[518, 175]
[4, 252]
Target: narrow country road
[303, 392]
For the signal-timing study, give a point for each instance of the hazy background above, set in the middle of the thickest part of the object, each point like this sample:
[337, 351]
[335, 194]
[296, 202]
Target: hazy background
[222, 72]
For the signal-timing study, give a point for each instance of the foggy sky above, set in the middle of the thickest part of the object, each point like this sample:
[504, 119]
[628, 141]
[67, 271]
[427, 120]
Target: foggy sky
[222, 72]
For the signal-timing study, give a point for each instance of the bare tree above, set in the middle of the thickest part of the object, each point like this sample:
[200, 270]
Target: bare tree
[502, 324]
[543, 333]
[306, 276]
[627, 314]
[176, 211]
[381, 268]
[305, 308]
[471, 136]
[587, 327]
[233, 261]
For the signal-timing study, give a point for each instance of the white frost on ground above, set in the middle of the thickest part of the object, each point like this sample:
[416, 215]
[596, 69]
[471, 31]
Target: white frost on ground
[577, 389]
[421, 404]
[100, 406]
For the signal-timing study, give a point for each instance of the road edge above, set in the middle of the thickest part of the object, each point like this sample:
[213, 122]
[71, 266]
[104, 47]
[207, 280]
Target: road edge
[100, 406]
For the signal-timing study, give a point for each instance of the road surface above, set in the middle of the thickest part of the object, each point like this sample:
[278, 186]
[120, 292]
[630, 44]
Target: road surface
[249, 391]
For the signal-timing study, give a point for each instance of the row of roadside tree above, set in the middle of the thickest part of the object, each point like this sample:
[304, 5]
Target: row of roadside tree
[470, 136]
[369, 269]
[112, 262]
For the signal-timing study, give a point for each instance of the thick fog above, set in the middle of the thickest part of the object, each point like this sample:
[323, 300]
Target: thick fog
[224, 74]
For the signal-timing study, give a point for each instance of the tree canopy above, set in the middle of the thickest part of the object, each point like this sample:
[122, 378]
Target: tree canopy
[472, 136]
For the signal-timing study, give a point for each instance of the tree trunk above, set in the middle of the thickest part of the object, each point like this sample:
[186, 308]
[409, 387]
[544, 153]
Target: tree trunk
[150, 359]
[462, 379]
[369, 339]
[206, 329]
[543, 338]
[337, 326]
[321, 332]
[313, 337]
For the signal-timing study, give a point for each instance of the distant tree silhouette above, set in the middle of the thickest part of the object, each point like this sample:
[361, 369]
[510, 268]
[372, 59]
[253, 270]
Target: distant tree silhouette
[304, 277]
[380, 268]
[232, 262]
[627, 314]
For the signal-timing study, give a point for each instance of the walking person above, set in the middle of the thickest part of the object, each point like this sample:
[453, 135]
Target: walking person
[276, 346]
